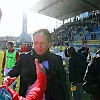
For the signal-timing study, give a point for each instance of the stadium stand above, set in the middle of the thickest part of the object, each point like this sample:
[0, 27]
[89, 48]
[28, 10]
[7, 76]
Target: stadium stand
[76, 29]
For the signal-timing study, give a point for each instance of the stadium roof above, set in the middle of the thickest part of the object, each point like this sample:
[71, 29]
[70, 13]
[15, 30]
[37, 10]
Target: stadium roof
[63, 9]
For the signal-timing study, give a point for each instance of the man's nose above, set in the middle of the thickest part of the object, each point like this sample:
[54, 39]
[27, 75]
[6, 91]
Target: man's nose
[39, 44]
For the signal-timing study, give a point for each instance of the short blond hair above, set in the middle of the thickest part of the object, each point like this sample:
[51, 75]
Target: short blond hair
[45, 32]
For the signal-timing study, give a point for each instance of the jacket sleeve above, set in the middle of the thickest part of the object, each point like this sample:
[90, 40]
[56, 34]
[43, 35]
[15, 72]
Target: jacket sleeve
[17, 56]
[36, 92]
[66, 54]
[71, 70]
[61, 72]
[90, 85]
[79, 51]
[3, 61]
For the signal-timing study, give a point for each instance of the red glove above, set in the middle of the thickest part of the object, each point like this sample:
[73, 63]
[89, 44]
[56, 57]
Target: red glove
[8, 80]
[39, 67]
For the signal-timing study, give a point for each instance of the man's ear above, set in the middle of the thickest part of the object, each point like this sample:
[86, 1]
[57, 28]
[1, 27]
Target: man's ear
[49, 45]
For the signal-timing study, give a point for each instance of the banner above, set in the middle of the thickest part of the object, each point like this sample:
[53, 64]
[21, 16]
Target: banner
[93, 41]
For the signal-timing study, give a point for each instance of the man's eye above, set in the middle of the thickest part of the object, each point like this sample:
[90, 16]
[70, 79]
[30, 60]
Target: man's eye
[35, 43]
[42, 43]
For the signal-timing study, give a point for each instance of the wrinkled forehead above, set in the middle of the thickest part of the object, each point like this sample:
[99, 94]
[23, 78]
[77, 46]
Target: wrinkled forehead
[43, 33]
[40, 35]
[9, 44]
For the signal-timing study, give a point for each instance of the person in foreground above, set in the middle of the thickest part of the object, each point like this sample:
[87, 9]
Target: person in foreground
[92, 78]
[37, 91]
[56, 88]
[77, 68]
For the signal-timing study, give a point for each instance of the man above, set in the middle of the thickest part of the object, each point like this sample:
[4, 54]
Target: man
[85, 51]
[67, 56]
[36, 92]
[92, 78]
[29, 45]
[24, 48]
[77, 67]
[57, 88]
[65, 51]
[9, 60]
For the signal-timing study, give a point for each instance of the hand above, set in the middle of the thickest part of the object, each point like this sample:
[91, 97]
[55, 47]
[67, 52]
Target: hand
[8, 80]
[2, 71]
[39, 67]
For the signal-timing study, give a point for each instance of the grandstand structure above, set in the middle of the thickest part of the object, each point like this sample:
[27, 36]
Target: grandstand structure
[77, 29]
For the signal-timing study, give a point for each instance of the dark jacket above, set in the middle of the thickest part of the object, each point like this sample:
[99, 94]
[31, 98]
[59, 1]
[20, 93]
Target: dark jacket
[66, 54]
[25, 67]
[77, 68]
[92, 79]
[83, 52]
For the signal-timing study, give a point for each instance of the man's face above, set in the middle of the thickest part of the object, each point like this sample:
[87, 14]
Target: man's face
[85, 45]
[9, 46]
[66, 46]
[40, 43]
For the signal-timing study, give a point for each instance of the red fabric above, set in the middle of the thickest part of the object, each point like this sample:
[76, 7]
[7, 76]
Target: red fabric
[37, 91]
[4, 58]
[24, 48]
[86, 50]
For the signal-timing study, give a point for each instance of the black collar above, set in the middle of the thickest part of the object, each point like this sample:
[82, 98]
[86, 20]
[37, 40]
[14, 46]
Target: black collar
[41, 58]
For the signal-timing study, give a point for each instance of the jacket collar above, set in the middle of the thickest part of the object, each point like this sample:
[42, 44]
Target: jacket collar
[41, 58]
